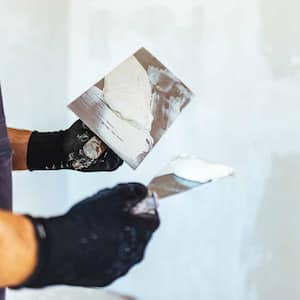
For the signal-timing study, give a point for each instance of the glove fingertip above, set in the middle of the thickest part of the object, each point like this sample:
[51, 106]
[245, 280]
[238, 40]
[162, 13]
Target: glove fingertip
[132, 190]
[139, 190]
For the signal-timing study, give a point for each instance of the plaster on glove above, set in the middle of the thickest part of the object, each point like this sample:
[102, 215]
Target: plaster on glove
[76, 148]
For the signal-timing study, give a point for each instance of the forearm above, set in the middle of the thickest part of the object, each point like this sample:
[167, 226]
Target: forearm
[19, 141]
[18, 249]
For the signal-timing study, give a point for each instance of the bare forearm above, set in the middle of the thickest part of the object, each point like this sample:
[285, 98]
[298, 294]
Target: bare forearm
[18, 249]
[19, 141]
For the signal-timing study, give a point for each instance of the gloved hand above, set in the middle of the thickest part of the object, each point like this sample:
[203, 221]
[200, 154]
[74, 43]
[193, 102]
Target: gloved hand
[76, 148]
[96, 242]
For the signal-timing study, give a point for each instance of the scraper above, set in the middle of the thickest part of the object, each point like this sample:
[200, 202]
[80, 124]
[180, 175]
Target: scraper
[183, 173]
[133, 106]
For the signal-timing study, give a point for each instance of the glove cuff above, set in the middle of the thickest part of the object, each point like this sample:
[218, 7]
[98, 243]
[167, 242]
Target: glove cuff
[56, 263]
[38, 277]
[45, 151]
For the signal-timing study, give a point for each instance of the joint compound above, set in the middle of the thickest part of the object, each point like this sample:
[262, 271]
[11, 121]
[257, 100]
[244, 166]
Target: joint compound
[191, 168]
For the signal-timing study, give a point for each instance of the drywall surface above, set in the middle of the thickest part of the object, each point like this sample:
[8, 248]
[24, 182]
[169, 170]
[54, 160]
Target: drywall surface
[33, 74]
[232, 240]
[235, 239]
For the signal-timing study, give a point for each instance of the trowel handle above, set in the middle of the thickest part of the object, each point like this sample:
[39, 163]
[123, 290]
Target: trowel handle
[146, 206]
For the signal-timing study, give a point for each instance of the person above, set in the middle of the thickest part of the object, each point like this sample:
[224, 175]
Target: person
[93, 243]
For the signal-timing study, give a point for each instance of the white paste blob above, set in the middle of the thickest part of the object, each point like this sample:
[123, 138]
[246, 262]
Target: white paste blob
[194, 169]
[127, 90]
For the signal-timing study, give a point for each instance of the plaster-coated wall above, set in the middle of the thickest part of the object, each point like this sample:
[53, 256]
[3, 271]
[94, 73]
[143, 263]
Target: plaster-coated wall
[236, 239]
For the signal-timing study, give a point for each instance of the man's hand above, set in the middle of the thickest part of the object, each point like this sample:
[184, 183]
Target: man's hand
[96, 242]
[76, 148]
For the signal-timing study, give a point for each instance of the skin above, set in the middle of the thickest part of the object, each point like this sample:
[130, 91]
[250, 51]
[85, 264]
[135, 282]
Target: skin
[19, 139]
[17, 235]
[16, 231]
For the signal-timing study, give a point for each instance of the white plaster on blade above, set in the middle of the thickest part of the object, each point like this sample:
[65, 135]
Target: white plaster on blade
[194, 169]
[173, 110]
[127, 90]
[164, 80]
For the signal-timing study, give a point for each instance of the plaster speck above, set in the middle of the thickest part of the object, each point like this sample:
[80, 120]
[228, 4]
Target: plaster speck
[93, 148]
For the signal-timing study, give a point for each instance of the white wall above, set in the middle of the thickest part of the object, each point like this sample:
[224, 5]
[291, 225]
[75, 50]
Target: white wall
[33, 72]
[236, 239]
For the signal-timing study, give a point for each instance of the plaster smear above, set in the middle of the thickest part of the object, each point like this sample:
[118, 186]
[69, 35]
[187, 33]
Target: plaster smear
[173, 110]
[88, 155]
[93, 148]
[163, 84]
[164, 80]
[127, 91]
[80, 161]
[194, 169]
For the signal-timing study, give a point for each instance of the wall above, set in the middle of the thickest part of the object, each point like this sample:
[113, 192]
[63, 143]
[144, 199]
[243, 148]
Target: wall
[236, 239]
[33, 72]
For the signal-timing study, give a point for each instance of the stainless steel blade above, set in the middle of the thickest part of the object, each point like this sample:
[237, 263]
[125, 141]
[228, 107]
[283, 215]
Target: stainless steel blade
[182, 174]
[170, 184]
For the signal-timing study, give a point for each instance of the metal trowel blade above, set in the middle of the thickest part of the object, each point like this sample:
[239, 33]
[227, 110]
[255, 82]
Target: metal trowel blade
[184, 173]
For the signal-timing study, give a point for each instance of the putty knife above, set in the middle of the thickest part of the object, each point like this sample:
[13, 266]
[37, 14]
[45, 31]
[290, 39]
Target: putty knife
[182, 174]
[133, 106]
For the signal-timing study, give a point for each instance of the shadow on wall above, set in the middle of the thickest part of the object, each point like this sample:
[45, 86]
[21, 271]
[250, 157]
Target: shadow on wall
[278, 226]
[280, 33]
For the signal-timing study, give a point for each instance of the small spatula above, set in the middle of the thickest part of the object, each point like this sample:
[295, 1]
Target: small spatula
[182, 174]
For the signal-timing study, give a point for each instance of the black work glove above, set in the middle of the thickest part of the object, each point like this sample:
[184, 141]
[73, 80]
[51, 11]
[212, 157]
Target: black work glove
[76, 148]
[96, 242]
